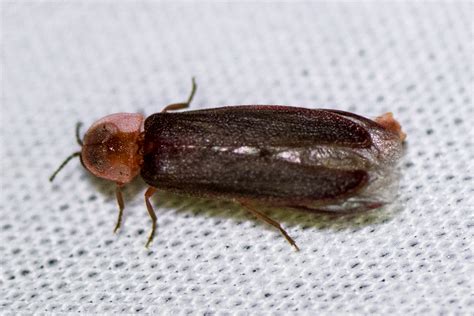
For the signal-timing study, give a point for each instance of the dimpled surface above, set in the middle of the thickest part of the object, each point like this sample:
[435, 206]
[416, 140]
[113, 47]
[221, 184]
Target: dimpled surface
[81, 61]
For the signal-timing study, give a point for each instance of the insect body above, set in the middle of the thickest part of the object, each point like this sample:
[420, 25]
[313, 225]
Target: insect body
[314, 160]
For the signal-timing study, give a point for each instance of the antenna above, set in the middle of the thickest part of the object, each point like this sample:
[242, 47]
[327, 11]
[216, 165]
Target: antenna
[73, 155]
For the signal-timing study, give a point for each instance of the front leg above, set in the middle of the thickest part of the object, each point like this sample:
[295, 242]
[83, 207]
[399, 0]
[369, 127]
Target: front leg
[118, 195]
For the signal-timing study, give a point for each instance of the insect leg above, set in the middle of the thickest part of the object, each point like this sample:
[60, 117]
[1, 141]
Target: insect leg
[149, 192]
[270, 221]
[118, 194]
[183, 105]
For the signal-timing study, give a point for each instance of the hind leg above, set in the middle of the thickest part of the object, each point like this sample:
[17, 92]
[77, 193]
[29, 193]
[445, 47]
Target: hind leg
[270, 221]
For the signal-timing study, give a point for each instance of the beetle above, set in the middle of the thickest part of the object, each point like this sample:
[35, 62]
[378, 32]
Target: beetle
[279, 156]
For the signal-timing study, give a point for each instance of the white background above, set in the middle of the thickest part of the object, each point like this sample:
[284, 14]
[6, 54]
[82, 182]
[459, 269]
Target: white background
[65, 62]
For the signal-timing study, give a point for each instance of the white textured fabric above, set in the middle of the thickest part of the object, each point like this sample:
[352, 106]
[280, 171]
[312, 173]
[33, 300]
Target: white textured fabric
[83, 60]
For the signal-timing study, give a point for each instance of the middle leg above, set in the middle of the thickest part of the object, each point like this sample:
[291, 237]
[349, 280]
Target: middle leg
[182, 105]
[148, 194]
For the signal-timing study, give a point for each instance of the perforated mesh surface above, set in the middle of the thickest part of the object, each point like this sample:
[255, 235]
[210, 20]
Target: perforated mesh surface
[67, 62]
